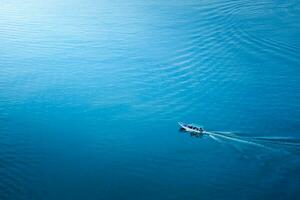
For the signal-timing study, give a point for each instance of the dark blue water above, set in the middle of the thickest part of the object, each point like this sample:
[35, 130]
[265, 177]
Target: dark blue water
[91, 93]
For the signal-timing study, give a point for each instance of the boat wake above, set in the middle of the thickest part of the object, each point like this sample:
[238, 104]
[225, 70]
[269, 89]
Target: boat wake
[217, 136]
[270, 143]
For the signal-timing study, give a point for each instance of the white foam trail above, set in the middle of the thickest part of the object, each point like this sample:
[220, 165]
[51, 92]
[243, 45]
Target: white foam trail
[241, 140]
[214, 138]
[288, 141]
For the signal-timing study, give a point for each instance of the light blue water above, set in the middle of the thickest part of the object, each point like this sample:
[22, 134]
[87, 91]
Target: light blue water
[91, 92]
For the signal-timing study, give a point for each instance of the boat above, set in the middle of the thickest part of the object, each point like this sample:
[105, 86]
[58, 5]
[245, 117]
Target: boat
[191, 128]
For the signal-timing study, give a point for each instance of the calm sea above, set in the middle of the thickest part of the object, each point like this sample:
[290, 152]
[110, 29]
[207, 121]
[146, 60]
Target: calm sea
[91, 93]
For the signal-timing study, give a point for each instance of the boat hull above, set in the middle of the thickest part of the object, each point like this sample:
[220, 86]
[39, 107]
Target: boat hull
[186, 128]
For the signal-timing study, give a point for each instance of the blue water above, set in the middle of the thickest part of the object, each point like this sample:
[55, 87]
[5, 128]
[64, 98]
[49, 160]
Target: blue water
[91, 93]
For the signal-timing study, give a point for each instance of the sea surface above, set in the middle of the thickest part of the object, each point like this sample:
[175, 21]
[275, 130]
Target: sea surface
[91, 93]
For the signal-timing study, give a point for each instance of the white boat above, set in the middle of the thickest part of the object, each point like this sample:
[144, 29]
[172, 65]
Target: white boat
[191, 128]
